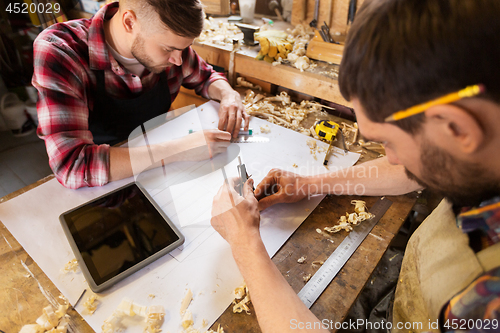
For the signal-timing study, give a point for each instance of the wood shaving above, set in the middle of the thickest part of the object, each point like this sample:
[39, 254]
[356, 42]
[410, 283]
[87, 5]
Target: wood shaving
[153, 317]
[241, 293]
[317, 263]
[295, 165]
[301, 35]
[319, 231]
[265, 129]
[307, 277]
[301, 260]
[219, 33]
[241, 82]
[280, 110]
[187, 319]
[186, 301]
[91, 304]
[50, 321]
[346, 222]
[359, 206]
[71, 266]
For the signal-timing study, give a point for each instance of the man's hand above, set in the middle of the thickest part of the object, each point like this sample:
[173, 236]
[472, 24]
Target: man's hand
[232, 113]
[202, 145]
[236, 218]
[281, 186]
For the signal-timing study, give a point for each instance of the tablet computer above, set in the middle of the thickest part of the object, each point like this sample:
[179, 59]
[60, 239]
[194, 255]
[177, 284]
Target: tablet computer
[117, 234]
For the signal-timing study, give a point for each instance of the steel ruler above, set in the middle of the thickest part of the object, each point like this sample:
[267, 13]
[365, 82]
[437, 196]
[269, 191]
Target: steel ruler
[325, 274]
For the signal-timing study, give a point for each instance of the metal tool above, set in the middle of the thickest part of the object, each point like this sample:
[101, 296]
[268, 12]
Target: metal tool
[248, 31]
[326, 30]
[325, 274]
[242, 172]
[328, 130]
[250, 139]
[314, 22]
[352, 12]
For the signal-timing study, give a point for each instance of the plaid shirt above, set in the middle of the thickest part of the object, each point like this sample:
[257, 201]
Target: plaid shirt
[65, 56]
[479, 303]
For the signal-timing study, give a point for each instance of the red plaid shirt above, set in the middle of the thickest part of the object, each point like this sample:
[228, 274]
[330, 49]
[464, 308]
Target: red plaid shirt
[65, 56]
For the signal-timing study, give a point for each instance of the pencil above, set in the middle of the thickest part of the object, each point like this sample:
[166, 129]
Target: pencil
[469, 91]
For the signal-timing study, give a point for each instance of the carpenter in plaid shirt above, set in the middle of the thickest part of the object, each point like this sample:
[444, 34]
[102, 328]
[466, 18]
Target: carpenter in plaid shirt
[100, 78]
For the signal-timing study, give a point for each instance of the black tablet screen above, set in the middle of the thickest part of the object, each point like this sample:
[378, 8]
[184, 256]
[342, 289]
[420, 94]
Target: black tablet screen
[118, 231]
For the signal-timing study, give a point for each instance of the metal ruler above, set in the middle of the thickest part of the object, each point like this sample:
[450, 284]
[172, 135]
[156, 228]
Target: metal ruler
[325, 274]
[250, 139]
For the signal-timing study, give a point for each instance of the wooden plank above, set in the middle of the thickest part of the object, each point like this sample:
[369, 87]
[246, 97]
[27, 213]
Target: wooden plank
[298, 11]
[334, 12]
[319, 50]
[218, 7]
[305, 82]
[213, 55]
[187, 97]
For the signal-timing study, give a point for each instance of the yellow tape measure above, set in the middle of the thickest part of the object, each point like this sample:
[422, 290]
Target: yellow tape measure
[327, 129]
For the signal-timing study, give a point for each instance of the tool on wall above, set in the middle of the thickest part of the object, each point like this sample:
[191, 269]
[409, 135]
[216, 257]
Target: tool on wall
[274, 7]
[351, 13]
[326, 35]
[314, 22]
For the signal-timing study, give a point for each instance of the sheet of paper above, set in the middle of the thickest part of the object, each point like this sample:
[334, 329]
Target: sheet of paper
[185, 192]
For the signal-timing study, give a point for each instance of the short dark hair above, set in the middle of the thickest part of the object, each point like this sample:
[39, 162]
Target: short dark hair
[400, 53]
[183, 17]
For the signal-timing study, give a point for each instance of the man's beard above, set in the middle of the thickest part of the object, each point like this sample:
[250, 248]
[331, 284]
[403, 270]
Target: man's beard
[463, 183]
[139, 53]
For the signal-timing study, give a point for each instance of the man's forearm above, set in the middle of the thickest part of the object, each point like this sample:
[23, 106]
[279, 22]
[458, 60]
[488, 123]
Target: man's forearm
[126, 162]
[218, 89]
[277, 306]
[377, 177]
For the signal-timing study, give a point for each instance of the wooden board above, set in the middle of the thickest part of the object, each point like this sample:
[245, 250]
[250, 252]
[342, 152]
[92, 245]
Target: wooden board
[320, 50]
[216, 7]
[21, 300]
[334, 12]
[291, 78]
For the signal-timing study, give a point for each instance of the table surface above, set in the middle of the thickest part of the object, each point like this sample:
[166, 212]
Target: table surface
[25, 287]
[22, 281]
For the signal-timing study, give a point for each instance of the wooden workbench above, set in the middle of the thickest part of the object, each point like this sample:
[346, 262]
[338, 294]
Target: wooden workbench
[320, 82]
[24, 287]
[22, 281]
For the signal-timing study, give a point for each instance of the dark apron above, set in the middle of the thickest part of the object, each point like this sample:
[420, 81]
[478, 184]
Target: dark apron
[112, 120]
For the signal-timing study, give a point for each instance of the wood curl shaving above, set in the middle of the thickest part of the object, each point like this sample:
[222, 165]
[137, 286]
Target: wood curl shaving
[301, 35]
[241, 293]
[91, 303]
[71, 266]
[317, 263]
[241, 82]
[50, 321]
[219, 33]
[153, 317]
[346, 222]
[280, 109]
